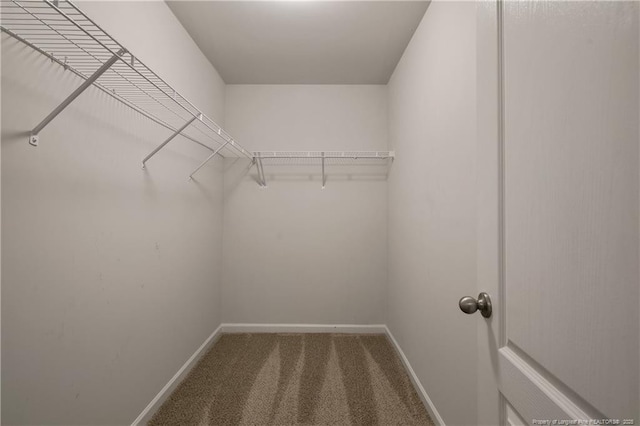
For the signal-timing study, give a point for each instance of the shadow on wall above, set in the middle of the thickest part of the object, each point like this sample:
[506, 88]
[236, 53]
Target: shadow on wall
[235, 171]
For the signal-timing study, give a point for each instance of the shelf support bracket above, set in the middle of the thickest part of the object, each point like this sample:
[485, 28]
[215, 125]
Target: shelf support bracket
[176, 133]
[33, 137]
[263, 181]
[390, 158]
[208, 158]
[324, 179]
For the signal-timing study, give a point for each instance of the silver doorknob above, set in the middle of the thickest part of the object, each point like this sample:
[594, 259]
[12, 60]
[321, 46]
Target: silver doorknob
[469, 305]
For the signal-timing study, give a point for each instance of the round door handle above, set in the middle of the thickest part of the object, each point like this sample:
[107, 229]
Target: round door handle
[469, 305]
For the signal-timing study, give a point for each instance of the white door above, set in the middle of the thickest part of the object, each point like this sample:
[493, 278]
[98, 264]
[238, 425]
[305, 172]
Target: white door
[558, 212]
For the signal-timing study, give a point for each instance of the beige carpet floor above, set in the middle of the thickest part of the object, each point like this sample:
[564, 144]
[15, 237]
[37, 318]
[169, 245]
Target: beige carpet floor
[296, 379]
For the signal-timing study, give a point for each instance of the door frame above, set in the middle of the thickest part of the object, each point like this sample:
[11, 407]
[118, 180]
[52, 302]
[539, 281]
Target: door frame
[490, 206]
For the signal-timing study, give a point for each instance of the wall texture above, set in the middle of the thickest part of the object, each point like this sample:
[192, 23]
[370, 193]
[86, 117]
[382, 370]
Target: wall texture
[432, 207]
[110, 277]
[293, 252]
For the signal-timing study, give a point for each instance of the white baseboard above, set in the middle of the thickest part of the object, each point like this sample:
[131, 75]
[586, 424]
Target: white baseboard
[304, 328]
[156, 402]
[435, 416]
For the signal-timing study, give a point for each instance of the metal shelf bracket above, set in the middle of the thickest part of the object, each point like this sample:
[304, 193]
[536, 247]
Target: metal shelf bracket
[324, 178]
[170, 138]
[33, 137]
[263, 182]
[207, 160]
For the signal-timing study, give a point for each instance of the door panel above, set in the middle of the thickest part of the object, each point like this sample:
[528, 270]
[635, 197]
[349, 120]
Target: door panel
[571, 194]
[559, 192]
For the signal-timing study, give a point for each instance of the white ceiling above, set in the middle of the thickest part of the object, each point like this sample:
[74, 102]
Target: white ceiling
[301, 42]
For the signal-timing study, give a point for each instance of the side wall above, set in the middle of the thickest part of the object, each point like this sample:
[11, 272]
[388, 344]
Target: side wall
[296, 253]
[432, 207]
[110, 276]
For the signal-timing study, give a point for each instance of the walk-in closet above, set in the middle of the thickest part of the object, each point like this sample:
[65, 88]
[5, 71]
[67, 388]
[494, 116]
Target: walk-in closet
[320, 212]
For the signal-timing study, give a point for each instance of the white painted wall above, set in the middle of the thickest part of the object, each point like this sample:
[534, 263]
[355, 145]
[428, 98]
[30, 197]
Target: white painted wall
[432, 207]
[294, 253]
[110, 276]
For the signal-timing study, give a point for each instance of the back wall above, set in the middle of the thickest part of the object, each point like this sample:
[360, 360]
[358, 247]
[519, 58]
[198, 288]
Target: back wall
[293, 252]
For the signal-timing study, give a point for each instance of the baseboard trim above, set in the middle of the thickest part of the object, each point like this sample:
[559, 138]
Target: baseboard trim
[164, 393]
[435, 416]
[304, 328]
[156, 402]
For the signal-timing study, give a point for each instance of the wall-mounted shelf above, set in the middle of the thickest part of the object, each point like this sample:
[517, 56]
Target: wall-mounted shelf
[67, 36]
[63, 33]
[321, 159]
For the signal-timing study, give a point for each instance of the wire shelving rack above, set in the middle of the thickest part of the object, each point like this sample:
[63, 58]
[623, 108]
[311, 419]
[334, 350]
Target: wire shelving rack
[63, 33]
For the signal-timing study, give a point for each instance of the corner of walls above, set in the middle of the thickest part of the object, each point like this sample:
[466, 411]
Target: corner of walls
[147, 414]
[391, 147]
[224, 163]
[389, 173]
[432, 219]
[415, 380]
[0, 255]
[205, 86]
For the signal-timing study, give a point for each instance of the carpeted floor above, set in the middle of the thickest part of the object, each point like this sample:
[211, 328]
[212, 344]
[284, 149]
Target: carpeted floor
[296, 379]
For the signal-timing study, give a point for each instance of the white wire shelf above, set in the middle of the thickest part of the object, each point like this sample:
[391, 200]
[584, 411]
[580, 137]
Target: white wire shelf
[64, 34]
[323, 159]
[333, 158]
